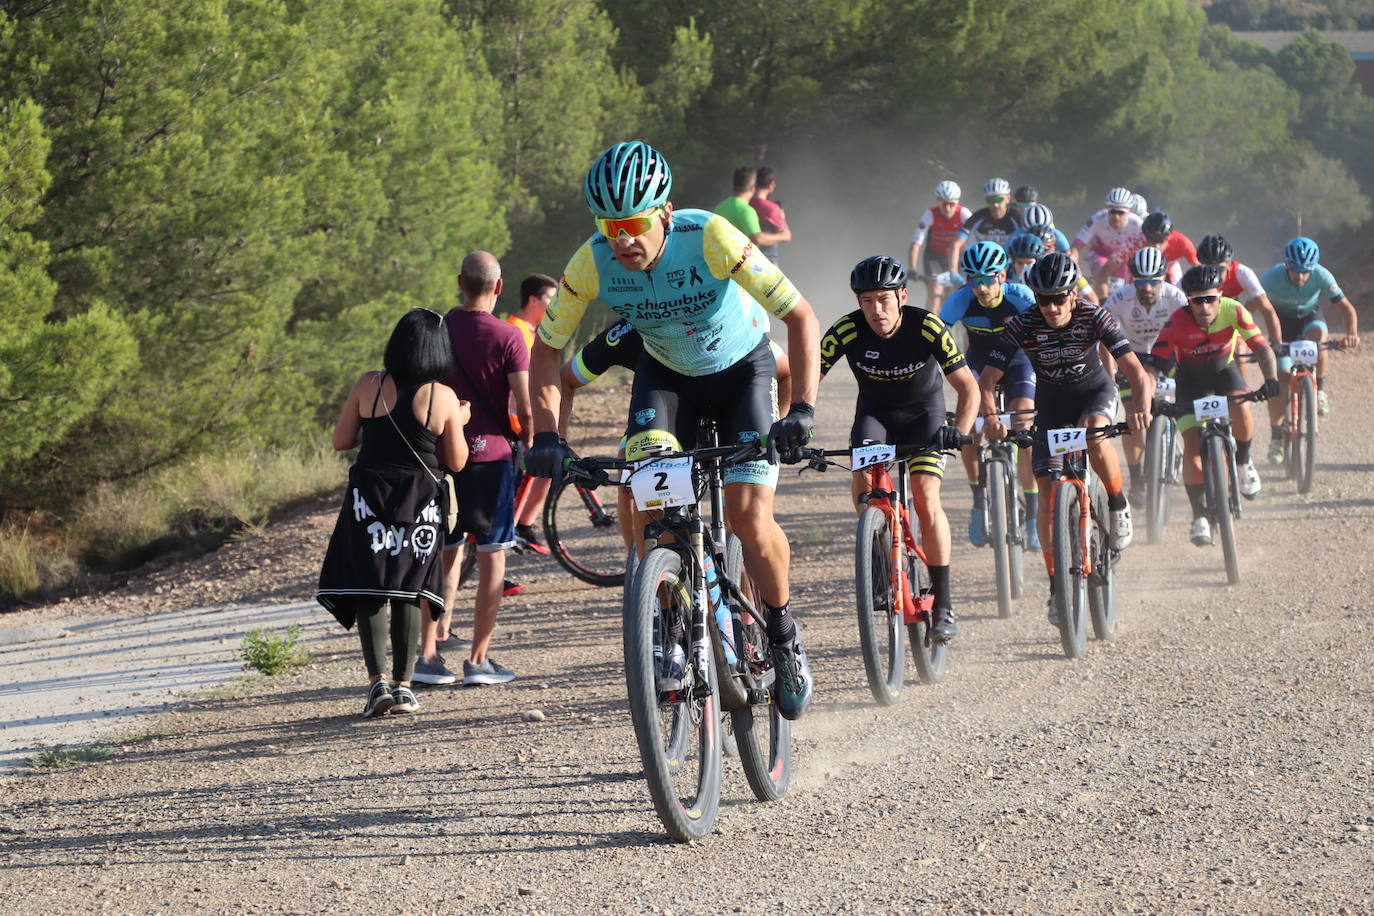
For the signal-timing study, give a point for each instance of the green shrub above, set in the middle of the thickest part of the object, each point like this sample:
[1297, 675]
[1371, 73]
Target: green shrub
[60, 757]
[270, 652]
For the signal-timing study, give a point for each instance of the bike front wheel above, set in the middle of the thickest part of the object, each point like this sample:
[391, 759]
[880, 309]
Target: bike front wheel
[996, 487]
[1155, 490]
[1102, 580]
[1217, 480]
[1305, 445]
[881, 630]
[683, 774]
[1070, 597]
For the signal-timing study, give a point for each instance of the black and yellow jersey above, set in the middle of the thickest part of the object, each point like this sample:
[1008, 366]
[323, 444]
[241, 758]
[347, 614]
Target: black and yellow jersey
[901, 370]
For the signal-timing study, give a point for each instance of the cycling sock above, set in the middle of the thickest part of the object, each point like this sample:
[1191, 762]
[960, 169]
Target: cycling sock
[939, 585]
[1195, 498]
[1032, 506]
[780, 627]
[977, 489]
[1116, 500]
[1243, 452]
[1135, 473]
[1278, 433]
[1321, 383]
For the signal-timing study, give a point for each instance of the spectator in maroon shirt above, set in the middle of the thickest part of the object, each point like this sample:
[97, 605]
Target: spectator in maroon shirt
[490, 365]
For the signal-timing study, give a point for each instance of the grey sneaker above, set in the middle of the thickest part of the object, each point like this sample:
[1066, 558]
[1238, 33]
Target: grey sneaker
[435, 672]
[489, 672]
[454, 642]
[405, 701]
[379, 700]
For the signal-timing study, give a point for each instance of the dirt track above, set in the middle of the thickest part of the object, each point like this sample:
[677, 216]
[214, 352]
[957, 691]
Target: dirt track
[1218, 756]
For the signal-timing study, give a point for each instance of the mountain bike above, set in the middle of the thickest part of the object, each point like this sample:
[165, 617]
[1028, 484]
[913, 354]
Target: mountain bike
[1300, 441]
[684, 598]
[1004, 511]
[1163, 464]
[1220, 483]
[1083, 580]
[583, 535]
[891, 581]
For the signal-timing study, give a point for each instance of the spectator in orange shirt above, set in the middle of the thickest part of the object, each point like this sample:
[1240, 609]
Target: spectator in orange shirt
[536, 292]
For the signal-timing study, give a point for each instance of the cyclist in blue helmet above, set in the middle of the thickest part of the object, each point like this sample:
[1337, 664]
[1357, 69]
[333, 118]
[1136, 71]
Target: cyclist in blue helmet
[984, 304]
[1295, 289]
[685, 280]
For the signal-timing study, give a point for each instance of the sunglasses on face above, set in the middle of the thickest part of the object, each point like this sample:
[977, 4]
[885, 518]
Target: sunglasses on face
[1299, 270]
[1052, 299]
[1203, 300]
[1115, 212]
[1149, 281]
[984, 281]
[631, 226]
[995, 200]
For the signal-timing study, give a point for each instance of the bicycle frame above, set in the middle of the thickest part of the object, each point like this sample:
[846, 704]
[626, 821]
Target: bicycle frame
[894, 502]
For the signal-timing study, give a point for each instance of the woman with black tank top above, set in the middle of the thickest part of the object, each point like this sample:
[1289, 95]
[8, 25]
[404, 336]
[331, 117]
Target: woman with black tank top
[387, 541]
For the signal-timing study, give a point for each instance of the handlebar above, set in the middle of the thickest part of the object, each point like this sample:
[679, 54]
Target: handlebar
[818, 459]
[1182, 409]
[592, 470]
[1026, 438]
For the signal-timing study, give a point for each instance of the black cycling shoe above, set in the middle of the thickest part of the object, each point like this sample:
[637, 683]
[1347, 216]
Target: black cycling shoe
[943, 628]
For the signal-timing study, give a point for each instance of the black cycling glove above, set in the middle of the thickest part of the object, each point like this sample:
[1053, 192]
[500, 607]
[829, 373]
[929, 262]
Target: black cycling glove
[1270, 388]
[545, 457]
[788, 436]
[949, 439]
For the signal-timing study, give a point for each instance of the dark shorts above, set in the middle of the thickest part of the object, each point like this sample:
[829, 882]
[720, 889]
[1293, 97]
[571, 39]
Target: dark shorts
[1019, 379]
[1058, 408]
[486, 506]
[1193, 386]
[666, 406]
[933, 263]
[904, 425]
[1295, 328]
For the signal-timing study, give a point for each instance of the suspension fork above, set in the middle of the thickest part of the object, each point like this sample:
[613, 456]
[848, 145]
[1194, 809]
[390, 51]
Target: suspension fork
[1084, 520]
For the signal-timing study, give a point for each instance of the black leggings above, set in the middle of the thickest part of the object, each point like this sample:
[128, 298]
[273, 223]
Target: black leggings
[405, 635]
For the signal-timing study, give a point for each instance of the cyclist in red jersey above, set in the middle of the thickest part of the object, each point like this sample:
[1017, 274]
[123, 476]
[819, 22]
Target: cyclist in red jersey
[938, 230]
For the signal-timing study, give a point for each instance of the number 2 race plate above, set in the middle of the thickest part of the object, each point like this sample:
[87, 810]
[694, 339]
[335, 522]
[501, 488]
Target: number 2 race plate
[662, 483]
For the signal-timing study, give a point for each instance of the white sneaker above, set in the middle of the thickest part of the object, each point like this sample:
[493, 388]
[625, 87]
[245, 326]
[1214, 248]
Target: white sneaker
[1201, 535]
[1249, 480]
[673, 671]
[1121, 528]
[1323, 404]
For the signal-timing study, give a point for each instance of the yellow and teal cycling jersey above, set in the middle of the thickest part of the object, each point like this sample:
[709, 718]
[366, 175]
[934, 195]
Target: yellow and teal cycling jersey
[695, 308]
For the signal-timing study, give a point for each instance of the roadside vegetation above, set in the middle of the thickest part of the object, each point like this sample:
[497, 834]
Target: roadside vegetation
[212, 213]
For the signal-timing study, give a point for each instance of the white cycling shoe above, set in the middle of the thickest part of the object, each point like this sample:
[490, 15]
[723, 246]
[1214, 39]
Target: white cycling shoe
[1250, 484]
[1122, 529]
[1201, 534]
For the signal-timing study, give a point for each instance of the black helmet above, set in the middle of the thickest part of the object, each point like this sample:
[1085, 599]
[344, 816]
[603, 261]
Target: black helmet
[1157, 227]
[1214, 249]
[877, 272]
[1056, 272]
[1026, 194]
[1203, 276]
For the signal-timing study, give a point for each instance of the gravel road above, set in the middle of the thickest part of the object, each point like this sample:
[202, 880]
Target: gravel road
[1218, 756]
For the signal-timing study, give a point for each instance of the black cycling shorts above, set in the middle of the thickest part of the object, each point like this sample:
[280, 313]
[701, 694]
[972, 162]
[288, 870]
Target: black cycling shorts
[904, 425]
[666, 407]
[1061, 407]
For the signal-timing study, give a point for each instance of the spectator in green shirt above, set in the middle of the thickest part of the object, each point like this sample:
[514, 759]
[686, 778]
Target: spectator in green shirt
[737, 210]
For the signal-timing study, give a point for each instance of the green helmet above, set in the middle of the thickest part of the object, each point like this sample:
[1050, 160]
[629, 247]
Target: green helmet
[626, 179]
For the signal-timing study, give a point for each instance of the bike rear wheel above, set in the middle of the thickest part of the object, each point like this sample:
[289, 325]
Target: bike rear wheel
[1218, 482]
[1305, 446]
[1070, 587]
[583, 535]
[1018, 523]
[764, 753]
[881, 629]
[684, 782]
[932, 658]
[996, 487]
[1102, 580]
[1156, 494]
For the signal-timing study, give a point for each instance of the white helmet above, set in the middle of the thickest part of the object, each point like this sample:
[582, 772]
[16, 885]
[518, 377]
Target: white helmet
[1147, 263]
[1139, 206]
[1119, 197]
[995, 187]
[947, 190]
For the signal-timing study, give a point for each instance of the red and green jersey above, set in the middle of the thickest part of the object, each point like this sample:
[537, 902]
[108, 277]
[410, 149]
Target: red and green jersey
[1200, 351]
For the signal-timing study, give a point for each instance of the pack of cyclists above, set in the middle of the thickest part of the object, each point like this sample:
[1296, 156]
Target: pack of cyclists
[1071, 332]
